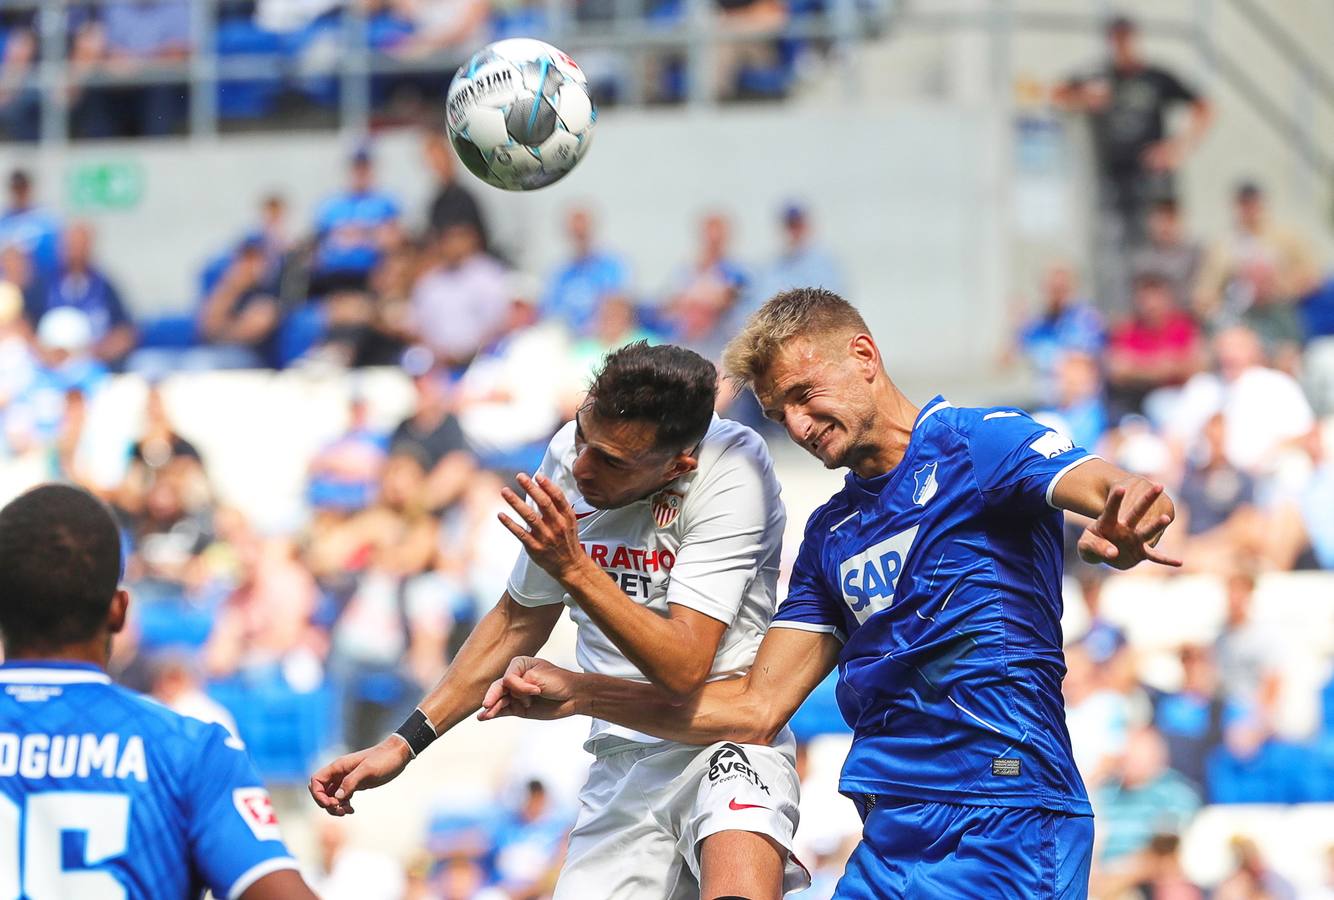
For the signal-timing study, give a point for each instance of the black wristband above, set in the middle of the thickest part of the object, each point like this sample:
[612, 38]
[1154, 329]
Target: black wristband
[416, 730]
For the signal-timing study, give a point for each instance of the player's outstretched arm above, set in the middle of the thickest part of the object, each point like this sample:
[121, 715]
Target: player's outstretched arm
[1129, 514]
[508, 630]
[751, 709]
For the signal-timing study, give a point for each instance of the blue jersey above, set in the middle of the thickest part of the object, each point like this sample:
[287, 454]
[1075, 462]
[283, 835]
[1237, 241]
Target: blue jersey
[943, 579]
[105, 793]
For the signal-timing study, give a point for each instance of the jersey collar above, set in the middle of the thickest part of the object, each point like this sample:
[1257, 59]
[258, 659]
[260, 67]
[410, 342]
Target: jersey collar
[875, 486]
[51, 671]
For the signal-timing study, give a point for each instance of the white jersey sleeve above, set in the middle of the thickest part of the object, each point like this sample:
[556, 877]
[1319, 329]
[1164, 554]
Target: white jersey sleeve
[529, 583]
[733, 521]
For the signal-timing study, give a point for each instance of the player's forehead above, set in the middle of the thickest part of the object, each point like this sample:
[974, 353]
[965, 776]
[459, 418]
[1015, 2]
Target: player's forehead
[630, 440]
[798, 362]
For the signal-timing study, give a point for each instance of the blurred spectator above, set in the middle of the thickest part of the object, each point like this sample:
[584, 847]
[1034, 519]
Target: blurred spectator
[264, 627]
[1253, 878]
[177, 684]
[18, 366]
[159, 447]
[591, 278]
[802, 262]
[287, 16]
[432, 434]
[1248, 654]
[737, 60]
[28, 226]
[463, 877]
[1306, 523]
[528, 843]
[459, 304]
[343, 871]
[20, 97]
[1160, 347]
[1263, 409]
[616, 324]
[507, 415]
[707, 292]
[1080, 412]
[1097, 718]
[1216, 505]
[453, 29]
[1065, 324]
[17, 269]
[1128, 101]
[128, 37]
[1168, 252]
[353, 228]
[1154, 873]
[1145, 798]
[1191, 718]
[345, 473]
[1258, 272]
[65, 366]
[240, 316]
[452, 203]
[388, 644]
[81, 285]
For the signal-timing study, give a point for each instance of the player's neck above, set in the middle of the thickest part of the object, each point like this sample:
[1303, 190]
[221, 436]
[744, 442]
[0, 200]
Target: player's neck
[895, 417]
[95, 651]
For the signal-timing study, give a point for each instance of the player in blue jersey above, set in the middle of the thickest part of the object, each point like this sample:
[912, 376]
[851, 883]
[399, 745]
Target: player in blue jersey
[104, 793]
[933, 581]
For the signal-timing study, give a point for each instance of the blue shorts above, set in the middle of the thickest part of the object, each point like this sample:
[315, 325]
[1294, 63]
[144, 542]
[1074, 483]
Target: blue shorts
[928, 850]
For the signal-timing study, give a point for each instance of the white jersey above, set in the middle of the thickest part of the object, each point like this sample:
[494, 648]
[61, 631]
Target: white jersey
[709, 541]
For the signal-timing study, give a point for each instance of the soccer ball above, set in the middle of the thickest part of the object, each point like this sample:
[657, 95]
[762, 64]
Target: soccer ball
[520, 115]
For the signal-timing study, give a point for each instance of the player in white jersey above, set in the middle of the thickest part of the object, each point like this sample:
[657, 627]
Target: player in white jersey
[659, 525]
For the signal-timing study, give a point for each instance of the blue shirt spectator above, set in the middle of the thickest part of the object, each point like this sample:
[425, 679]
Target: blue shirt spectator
[147, 29]
[80, 285]
[1251, 766]
[1079, 410]
[580, 287]
[802, 263]
[1191, 719]
[1066, 324]
[31, 228]
[1146, 799]
[351, 225]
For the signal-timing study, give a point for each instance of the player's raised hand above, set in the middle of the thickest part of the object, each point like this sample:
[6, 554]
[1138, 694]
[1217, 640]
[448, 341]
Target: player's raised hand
[332, 787]
[552, 533]
[531, 688]
[1131, 523]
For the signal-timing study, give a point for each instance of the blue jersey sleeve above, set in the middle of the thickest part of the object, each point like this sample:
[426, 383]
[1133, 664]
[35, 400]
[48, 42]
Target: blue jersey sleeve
[233, 832]
[809, 605]
[1018, 461]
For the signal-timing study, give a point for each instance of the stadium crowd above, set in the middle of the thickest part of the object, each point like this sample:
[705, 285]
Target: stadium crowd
[1215, 375]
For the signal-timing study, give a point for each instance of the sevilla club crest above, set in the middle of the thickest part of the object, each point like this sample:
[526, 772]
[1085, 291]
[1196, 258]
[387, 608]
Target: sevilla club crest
[666, 507]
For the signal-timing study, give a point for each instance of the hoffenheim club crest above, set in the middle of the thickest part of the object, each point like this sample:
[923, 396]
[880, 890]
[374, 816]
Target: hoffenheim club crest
[925, 481]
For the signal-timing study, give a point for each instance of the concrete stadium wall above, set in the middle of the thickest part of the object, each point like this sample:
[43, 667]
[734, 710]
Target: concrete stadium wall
[902, 195]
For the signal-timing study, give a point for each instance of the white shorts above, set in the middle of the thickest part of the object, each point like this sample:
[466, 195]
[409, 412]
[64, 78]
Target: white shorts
[644, 812]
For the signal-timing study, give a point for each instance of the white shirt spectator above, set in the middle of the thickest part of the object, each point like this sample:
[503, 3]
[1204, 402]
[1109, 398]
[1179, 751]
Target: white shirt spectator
[456, 310]
[1262, 408]
[290, 15]
[502, 406]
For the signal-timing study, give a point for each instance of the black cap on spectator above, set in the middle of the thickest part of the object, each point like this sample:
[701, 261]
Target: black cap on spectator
[19, 179]
[1249, 190]
[793, 213]
[361, 156]
[1166, 203]
[1121, 24]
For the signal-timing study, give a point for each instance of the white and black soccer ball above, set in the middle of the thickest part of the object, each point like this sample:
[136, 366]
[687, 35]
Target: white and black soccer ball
[519, 114]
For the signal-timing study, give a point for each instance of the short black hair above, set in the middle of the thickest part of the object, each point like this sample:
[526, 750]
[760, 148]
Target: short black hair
[671, 387]
[1248, 190]
[60, 564]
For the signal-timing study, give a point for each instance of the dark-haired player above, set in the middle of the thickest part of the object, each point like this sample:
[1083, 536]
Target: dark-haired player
[104, 793]
[659, 525]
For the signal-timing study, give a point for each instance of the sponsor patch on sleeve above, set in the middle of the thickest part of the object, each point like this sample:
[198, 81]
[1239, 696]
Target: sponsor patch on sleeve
[1051, 444]
[256, 811]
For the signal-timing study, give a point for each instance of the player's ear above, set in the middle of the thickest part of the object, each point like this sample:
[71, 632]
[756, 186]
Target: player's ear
[120, 606]
[682, 464]
[866, 353]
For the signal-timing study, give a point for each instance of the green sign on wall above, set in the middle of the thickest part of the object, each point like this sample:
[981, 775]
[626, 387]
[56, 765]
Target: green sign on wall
[108, 185]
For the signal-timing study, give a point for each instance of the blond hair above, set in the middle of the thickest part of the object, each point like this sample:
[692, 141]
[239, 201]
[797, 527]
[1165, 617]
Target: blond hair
[812, 312]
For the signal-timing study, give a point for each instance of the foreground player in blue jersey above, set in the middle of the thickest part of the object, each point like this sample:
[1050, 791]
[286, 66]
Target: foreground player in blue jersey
[104, 793]
[933, 581]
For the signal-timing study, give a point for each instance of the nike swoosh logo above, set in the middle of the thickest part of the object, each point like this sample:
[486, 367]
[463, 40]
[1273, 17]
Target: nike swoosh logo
[584, 515]
[733, 805]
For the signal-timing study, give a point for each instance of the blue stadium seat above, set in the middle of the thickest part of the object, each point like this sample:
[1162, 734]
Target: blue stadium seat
[1279, 772]
[248, 98]
[1317, 310]
[168, 333]
[299, 332]
[285, 731]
